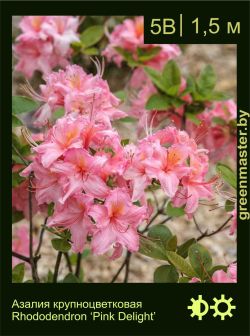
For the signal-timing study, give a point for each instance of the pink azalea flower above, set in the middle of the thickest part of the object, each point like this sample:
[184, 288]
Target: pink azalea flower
[78, 93]
[46, 183]
[63, 30]
[194, 280]
[137, 173]
[226, 277]
[116, 225]
[232, 271]
[169, 167]
[79, 171]
[44, 43]
[73, 215]
[194, 187]
[64, 135]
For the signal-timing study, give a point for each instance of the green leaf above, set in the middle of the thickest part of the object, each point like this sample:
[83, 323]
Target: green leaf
[91, 51]
[24, 150]
[127, 56]
[219, 121]
[49, 277]
[124, 142]
[81, 275]
[175, 101]
[71, 278]
[51, 209]
[61, 245]
[19, 146]
[66, 234]
[22, 104]
[227, 174]
[16, 159]
[218, 96]
[180, 263]
[158, 102]
[171, 244]
[85, 253]
[16, 122]
[166, 274]
[153, 187]
[171, 211]
[17, 216]
[73, 257]
[182, 250]
[128, 120]
[207, 80]
[190, 86]
[233, 124]
[183, 280]
[195, 108]
[217, 268]
[200, 259]
[160, 232]
[91, 36]
[120, 95]
[163, 237]
[16, 179]
[76, 45]
[229, 206]
[147, 54]
[111, 182]
[58, 113]
[171, 78]
[18, 273]
[152, 248]
[193, 118]
[155, 77]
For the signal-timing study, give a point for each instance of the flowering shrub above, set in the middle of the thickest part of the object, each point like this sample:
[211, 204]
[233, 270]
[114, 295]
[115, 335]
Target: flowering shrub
[91, 185]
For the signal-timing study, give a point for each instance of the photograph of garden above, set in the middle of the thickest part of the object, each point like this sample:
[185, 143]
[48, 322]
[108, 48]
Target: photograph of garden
[123, 155]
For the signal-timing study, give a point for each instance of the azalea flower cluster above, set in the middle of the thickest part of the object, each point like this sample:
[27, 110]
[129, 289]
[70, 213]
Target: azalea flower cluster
[79, 167]
[78, 93]
[173, 159]
[96, 182]
[129, 36]
[44, 43]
